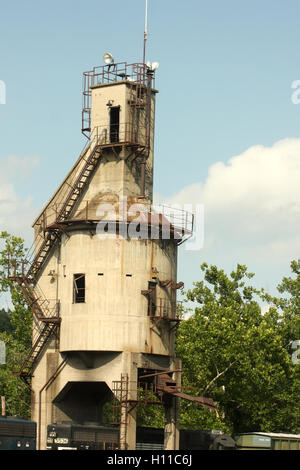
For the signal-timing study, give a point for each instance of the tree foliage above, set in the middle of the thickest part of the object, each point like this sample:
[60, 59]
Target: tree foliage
[5, 321]
[238, 355]
[17, 336]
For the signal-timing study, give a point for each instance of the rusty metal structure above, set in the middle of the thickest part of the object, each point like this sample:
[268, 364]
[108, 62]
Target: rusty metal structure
[140, 79]
[156, 388]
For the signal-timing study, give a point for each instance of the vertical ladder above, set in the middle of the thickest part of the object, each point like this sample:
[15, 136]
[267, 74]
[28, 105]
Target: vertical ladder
[137, 101]
[120, 408]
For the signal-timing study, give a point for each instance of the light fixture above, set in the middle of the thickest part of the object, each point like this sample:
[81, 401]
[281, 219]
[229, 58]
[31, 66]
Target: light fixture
[108, 58]
[152, 66]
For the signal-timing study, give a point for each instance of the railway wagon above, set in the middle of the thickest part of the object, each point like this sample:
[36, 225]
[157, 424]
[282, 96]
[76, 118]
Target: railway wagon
[17, 434]
[20, 434]
[94, 437]
[267, 441]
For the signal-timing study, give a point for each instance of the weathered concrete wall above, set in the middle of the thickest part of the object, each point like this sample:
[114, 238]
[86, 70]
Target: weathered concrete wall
[114, 316]
[53, 402]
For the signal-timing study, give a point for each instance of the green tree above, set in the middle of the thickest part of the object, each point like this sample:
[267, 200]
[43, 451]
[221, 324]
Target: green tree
[238, 356]
[5, 323]
[288, 304]
[18, 339]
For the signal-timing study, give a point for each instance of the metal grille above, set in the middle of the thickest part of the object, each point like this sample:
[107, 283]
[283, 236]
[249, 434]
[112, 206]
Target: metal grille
[149, 446]
[98, 436]
[17, 429]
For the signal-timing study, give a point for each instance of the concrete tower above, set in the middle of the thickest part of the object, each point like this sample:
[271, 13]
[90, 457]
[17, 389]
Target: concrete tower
[102, 281]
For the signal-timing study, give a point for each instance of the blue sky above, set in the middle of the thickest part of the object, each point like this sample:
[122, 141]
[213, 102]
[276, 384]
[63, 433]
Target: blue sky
[225, 76]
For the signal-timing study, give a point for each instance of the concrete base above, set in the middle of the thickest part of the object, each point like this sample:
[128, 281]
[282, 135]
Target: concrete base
[65, 389]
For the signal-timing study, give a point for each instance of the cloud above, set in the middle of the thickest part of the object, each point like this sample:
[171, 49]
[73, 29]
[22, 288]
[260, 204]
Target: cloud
[252, 207]
[16, 213]
[15, 168]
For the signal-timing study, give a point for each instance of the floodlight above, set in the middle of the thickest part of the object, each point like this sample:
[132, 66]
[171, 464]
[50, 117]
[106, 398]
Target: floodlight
[108, 58]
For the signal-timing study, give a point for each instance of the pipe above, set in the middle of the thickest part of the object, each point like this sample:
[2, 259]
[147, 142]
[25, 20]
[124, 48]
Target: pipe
[47, 384]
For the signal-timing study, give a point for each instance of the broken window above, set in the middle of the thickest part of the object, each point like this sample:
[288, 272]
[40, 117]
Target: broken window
[79, 288]
[114, 124]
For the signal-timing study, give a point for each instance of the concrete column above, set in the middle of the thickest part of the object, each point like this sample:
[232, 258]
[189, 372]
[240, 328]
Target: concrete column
[128, 405]
[172, 406]
[171, 441]
[131, 427]
[42, 399]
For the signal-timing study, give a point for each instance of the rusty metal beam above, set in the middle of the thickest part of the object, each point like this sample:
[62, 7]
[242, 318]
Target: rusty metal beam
[160, 373]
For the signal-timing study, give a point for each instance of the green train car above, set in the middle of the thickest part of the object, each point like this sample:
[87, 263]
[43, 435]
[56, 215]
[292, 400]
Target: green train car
[267, 441]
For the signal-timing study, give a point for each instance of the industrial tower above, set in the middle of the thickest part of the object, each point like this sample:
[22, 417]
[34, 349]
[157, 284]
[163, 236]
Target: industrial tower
[102, 280]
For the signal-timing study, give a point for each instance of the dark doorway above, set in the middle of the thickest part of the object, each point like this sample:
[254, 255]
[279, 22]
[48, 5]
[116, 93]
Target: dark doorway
[82, 402]
[152, 298]
[114, 124]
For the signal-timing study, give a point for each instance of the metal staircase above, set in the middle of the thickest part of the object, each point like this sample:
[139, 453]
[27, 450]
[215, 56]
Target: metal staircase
[80, 183]
[26, 367]
[70, 200]
[46, 314]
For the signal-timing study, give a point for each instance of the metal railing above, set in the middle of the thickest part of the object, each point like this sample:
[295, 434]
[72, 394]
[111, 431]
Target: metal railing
[166, 309]
[42, 307]
[164, 221]
[125, 133]
[105, 74]
[135, 74]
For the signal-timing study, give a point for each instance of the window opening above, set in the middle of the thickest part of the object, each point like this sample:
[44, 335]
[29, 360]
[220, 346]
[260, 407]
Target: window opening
[79, 288]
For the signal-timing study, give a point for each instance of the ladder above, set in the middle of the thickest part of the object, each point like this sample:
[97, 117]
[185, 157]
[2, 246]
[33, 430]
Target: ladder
[120, 408]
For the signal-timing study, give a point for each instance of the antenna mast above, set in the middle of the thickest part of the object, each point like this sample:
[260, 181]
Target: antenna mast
[145, 32]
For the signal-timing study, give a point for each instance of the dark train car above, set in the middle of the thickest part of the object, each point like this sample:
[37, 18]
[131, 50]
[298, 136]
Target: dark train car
[17, 434]
[70, 436]
[149, 438]
[20, 434]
